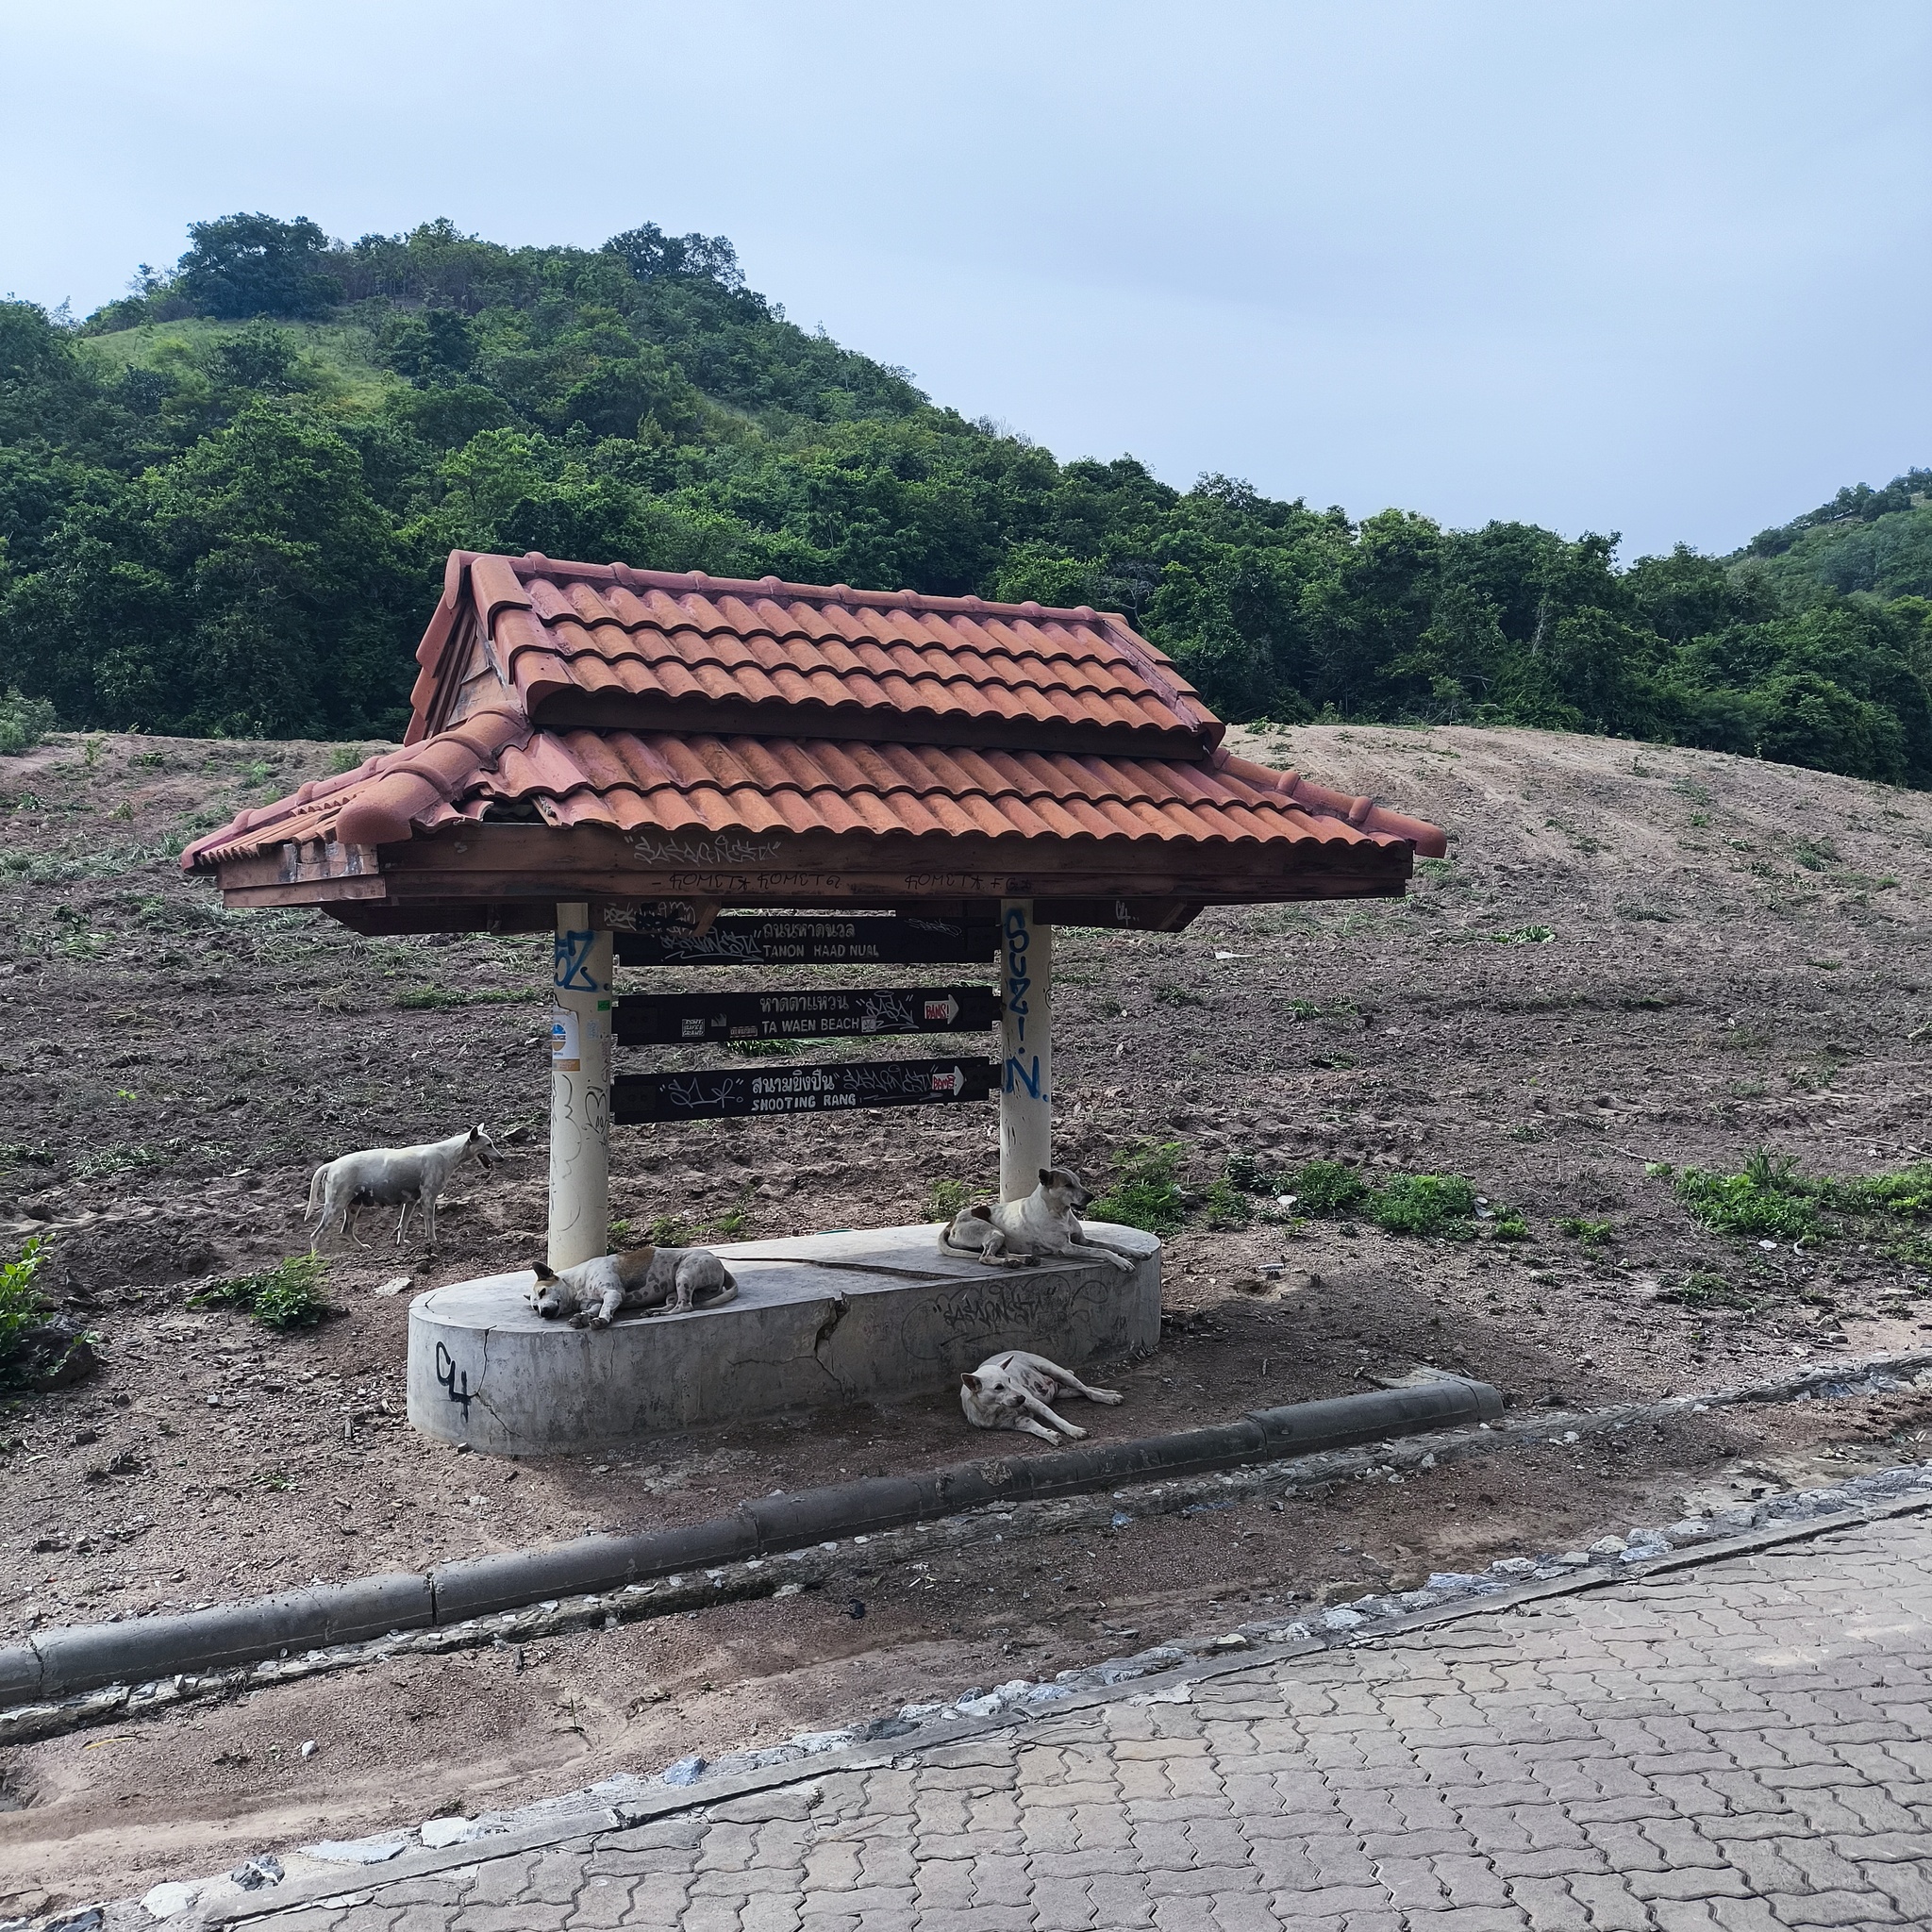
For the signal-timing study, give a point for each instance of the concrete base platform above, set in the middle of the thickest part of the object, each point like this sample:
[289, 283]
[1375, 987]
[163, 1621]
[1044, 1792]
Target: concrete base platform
[819, 1319]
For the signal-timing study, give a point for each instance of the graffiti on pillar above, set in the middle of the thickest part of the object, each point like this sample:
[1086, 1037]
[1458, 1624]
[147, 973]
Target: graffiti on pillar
[1023, 1066]
[573, 962]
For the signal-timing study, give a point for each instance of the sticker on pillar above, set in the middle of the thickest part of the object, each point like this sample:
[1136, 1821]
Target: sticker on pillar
[566, 1051]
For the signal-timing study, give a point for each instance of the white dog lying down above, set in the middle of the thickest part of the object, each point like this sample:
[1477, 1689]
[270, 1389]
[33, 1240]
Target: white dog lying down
[661, 1280]
[1010, 1391]
[384, 1177]
[1015, 1234]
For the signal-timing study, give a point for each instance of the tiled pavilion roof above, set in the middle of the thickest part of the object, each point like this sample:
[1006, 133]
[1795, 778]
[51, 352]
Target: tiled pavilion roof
[714, 726]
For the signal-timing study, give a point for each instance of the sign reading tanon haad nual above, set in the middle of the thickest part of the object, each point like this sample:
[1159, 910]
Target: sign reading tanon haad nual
[637, 1099]
[810, 938]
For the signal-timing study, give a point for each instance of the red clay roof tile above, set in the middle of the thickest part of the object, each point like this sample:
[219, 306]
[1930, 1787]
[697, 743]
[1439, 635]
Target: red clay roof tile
[841, 711]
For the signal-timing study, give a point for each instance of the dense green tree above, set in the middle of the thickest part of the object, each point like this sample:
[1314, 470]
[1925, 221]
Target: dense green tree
[239, 522]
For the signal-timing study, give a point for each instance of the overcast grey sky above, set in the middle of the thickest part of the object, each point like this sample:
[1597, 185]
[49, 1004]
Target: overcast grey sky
[1662, 269]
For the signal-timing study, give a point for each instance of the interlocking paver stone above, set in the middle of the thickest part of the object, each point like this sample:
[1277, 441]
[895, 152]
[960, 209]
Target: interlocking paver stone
[1741, 1747]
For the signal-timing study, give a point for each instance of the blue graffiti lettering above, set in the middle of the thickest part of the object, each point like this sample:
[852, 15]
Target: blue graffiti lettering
[1018, 1077]
[571, 955]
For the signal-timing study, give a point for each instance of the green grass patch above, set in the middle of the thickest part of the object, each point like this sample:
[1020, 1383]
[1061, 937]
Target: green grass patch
[1424, 1203]
[671, 1231]
[1592, 1234]
[1702, 1290]
[289, 1296]
[1522, 936]
[1770, 1200]
[1147, 1191]
[1326, 1188]
[1439, 1205]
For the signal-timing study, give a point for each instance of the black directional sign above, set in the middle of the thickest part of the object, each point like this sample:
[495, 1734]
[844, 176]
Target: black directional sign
[815, 939]
[672, 1019]
[637, 1099]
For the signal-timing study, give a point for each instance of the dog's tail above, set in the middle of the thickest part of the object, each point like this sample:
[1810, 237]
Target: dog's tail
[315, 1185]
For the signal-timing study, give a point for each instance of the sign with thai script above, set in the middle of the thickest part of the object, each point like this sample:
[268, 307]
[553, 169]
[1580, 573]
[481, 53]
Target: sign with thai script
[732, 1094]
[813, 939]
[678, 1019]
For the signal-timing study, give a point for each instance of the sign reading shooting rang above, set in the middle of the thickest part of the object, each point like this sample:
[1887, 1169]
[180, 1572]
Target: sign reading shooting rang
[814, 939]
[638, 1099]
[675, 1019]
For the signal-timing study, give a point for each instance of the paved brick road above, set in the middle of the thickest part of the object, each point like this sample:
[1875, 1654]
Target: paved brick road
[1746, 1745]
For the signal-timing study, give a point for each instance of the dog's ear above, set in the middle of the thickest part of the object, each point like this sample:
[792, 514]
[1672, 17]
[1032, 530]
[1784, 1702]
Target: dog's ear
[970, 1381]
[980, 1211]
[1047, 1176]
[544, 1272]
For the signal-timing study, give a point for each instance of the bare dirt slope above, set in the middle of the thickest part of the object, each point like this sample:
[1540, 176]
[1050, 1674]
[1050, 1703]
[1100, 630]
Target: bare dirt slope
[1734, 957]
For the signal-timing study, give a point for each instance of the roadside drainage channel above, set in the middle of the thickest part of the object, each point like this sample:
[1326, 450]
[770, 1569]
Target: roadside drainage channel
[185, 1649]
[1387, 1459]
[1166, 1674]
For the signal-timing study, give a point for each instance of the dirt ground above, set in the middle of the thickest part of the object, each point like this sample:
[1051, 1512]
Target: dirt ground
[1737, 959]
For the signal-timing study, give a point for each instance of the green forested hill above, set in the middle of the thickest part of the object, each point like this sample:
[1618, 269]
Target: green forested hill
[224, 503]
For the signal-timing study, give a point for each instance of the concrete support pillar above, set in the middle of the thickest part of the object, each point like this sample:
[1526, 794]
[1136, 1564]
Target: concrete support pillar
[580, 1089]
[1026, 1040]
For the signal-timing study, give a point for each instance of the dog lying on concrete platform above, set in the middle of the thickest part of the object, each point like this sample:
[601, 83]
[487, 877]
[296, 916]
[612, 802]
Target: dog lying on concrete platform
[1016, 1234]
[661, 1281]
[1010, 1391]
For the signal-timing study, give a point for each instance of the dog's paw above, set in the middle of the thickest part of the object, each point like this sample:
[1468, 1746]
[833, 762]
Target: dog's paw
[1074, 1432]
[1106, 1395]
[581, 1321]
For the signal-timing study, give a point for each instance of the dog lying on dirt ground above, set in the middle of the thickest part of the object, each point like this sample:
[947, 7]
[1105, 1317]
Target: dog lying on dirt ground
[1010, 1391]
[659, 1280]
[384, 1177]
[1015, 1234]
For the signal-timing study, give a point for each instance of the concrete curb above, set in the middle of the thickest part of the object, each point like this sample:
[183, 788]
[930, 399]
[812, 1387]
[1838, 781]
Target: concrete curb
[592, 1822]
[78, 1658]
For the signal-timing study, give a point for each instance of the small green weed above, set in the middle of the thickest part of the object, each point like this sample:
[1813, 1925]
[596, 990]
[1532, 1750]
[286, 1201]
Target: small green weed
[1815, 854]
[617, 1236]
[1245, 1171]
[1145, 1191]
[944, 1198]
[1527, 1131]
[1522, 936]
[1592, 1234]
[1177, 996]
[671, 1231]
[21, 1303]
[1326, 1188]
[346, 757]
[1768, 1201]
[1509, 1226]
[289, 1296]
[1223, 1205]
[1700, 1289]
[104, 1161]
[734, 1221]
[1424, 1203]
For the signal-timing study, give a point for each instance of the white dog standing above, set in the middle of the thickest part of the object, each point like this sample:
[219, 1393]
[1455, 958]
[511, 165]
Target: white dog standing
[385, 1176]
[1015, 1234]
[1012, 1391]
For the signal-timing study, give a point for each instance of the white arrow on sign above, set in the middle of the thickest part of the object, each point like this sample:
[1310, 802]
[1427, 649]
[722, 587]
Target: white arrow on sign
[956, 1080]
[946, 1009]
